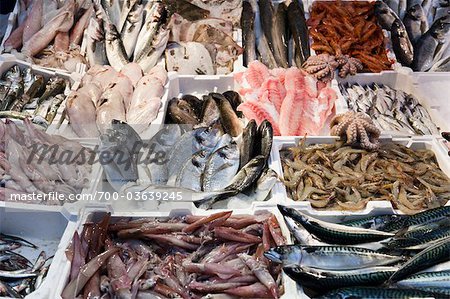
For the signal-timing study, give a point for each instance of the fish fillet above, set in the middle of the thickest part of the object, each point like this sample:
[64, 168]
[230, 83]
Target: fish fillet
[273, 91]
[260, 111]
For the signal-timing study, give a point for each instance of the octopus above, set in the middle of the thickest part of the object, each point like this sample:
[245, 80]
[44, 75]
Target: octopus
[348, 65]
[349, 28]
[322, 66]
[357, 129]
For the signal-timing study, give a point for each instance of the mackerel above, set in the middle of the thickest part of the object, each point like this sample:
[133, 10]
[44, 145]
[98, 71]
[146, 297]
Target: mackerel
[374, 222]
[421, 242]
[334, 233]
[427, 279]
[330, 257]
[376, 293]
[319, 279]
[421, 218]
[435, 254]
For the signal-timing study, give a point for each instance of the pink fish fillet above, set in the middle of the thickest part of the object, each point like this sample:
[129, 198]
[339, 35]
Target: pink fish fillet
[317, 111]
[260, 111]
[40, 40]
[279, 73]
[273, 91]
[294, 79]
[14, 41]
[256, 74]
[291, 112]
[33, 21]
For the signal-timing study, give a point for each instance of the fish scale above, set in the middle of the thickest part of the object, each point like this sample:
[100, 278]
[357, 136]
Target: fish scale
[427, 279]
[376, 293]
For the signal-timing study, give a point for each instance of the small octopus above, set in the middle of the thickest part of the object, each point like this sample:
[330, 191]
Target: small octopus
[348, 65]
[357, 129]
[322, 66]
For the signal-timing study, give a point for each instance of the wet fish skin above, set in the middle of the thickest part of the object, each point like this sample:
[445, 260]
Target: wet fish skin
[435, 254]
[53, 109]
[230, 121]
[322, 280]
[299, 29]
[334, 233]
[190, 175]
[385, 15]
[425, 217]
[278, 31]
[266, 16]
[181, 112]
[373, 222]
[115, 50]
[248, 33]
[375, 292]
[401, 44]
[235, 100]
[186, 9]
[265, 138]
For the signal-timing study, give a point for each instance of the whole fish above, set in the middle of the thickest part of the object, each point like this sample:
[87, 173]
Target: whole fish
[54, 86]
[265, 138]
[426, 279]
[131, 28]
[113, 10]
[334, 233]
[330, 257]
[299, 29]
[375, 292]
[374, 222]
[221, 167]
[422, 218]
[415, 22]
[426, 46]
[327, 280]
[247, 142]
[401, 43]
[262, 44]
[385, 15]
[16, 88]
[190, 143]
[127, 7]
[248, 33]
[191, 173]
[278, 32]
[155, 15]
[210, 114]
[181, 112]
[419, 243]
[435, 254]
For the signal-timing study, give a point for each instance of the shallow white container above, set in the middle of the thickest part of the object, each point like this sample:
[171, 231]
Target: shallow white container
[50, 231]
[90, 214]
[279, 189]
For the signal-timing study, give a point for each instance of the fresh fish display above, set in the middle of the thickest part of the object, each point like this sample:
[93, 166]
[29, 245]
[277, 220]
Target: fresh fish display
[22, 92]
[341, 28]
[418, 31]
[106, 94]
[390, 109]
[35, 162]
[294, 102]
[18, 275]
[334, 176]
[372, 292]
[324, 268]
[203, 163]
[178, 257]
[52, 36]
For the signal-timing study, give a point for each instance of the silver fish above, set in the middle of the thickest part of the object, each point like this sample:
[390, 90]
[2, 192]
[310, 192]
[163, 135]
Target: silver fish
[53, 109]
[191, 173]
[131, 28]
[221, 167]
[96, 49]
[115, 51]
[158, 45]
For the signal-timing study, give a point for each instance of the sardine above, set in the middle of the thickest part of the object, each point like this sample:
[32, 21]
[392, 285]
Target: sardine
[95, 48]
[115, 51]
[299, 29]
[158, 45]
[330, 257]
[54, 86]
[248, 33]
[53, 109]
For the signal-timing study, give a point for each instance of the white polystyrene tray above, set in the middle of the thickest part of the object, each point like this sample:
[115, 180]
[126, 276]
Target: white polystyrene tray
[88, 214]
[404, 80]
[50, 231]
[279, 190]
